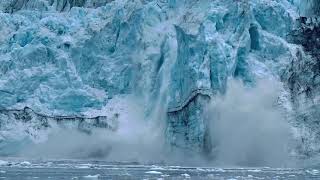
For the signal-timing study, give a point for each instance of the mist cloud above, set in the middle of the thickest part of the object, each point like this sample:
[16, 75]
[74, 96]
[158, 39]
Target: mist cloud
[246, 126]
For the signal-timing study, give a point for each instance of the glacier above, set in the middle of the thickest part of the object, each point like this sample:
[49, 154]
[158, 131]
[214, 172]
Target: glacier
[86, 58]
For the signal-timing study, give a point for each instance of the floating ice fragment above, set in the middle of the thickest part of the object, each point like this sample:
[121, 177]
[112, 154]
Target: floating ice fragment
[185, 175]
[254, 170]
[200, 169]
[25, 163]
[220, 170]
[84, 166]
[165, 175]
[153, 172]
[156, 168]
[92, 176]
[48, 164]
[126, 174]
[313, 171]
[3, 163]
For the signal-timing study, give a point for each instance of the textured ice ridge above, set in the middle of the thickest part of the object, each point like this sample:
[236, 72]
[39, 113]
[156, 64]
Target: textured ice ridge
[11, 6]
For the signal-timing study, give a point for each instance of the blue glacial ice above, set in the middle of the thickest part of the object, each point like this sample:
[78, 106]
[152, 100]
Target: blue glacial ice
[87, 58]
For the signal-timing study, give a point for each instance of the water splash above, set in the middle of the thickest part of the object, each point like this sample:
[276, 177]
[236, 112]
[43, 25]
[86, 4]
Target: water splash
[246, 126]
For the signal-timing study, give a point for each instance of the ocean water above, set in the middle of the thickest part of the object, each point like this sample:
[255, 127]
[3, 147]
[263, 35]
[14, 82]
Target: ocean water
[17, 169]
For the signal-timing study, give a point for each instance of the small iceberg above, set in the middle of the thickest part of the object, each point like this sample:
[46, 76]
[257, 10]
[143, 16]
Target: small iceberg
[25, 163]
[185, 175]
[92, 176]
[153, 172]
[3, 163]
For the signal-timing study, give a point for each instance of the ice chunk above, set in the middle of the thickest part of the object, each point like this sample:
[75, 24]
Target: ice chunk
[3, 163]
[25, 163]
[153, 172]
[92, 176]
[186, 176]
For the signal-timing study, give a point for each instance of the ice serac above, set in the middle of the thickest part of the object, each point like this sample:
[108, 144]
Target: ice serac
[66, 57]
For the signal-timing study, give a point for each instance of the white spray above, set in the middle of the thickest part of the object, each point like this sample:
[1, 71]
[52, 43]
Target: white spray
[247, 128]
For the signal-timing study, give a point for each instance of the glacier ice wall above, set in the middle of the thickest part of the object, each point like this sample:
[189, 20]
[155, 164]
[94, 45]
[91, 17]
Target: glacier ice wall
[69, 57]
[303, 82]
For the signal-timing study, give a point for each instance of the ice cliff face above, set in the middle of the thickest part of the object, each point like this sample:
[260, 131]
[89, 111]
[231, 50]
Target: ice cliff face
[65, 57]
[304, 81]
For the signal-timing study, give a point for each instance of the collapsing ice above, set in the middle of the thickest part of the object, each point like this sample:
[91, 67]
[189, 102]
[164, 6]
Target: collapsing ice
[176, 57]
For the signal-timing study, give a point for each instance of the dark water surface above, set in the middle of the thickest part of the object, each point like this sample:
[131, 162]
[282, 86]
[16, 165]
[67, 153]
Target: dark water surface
[75, 169]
